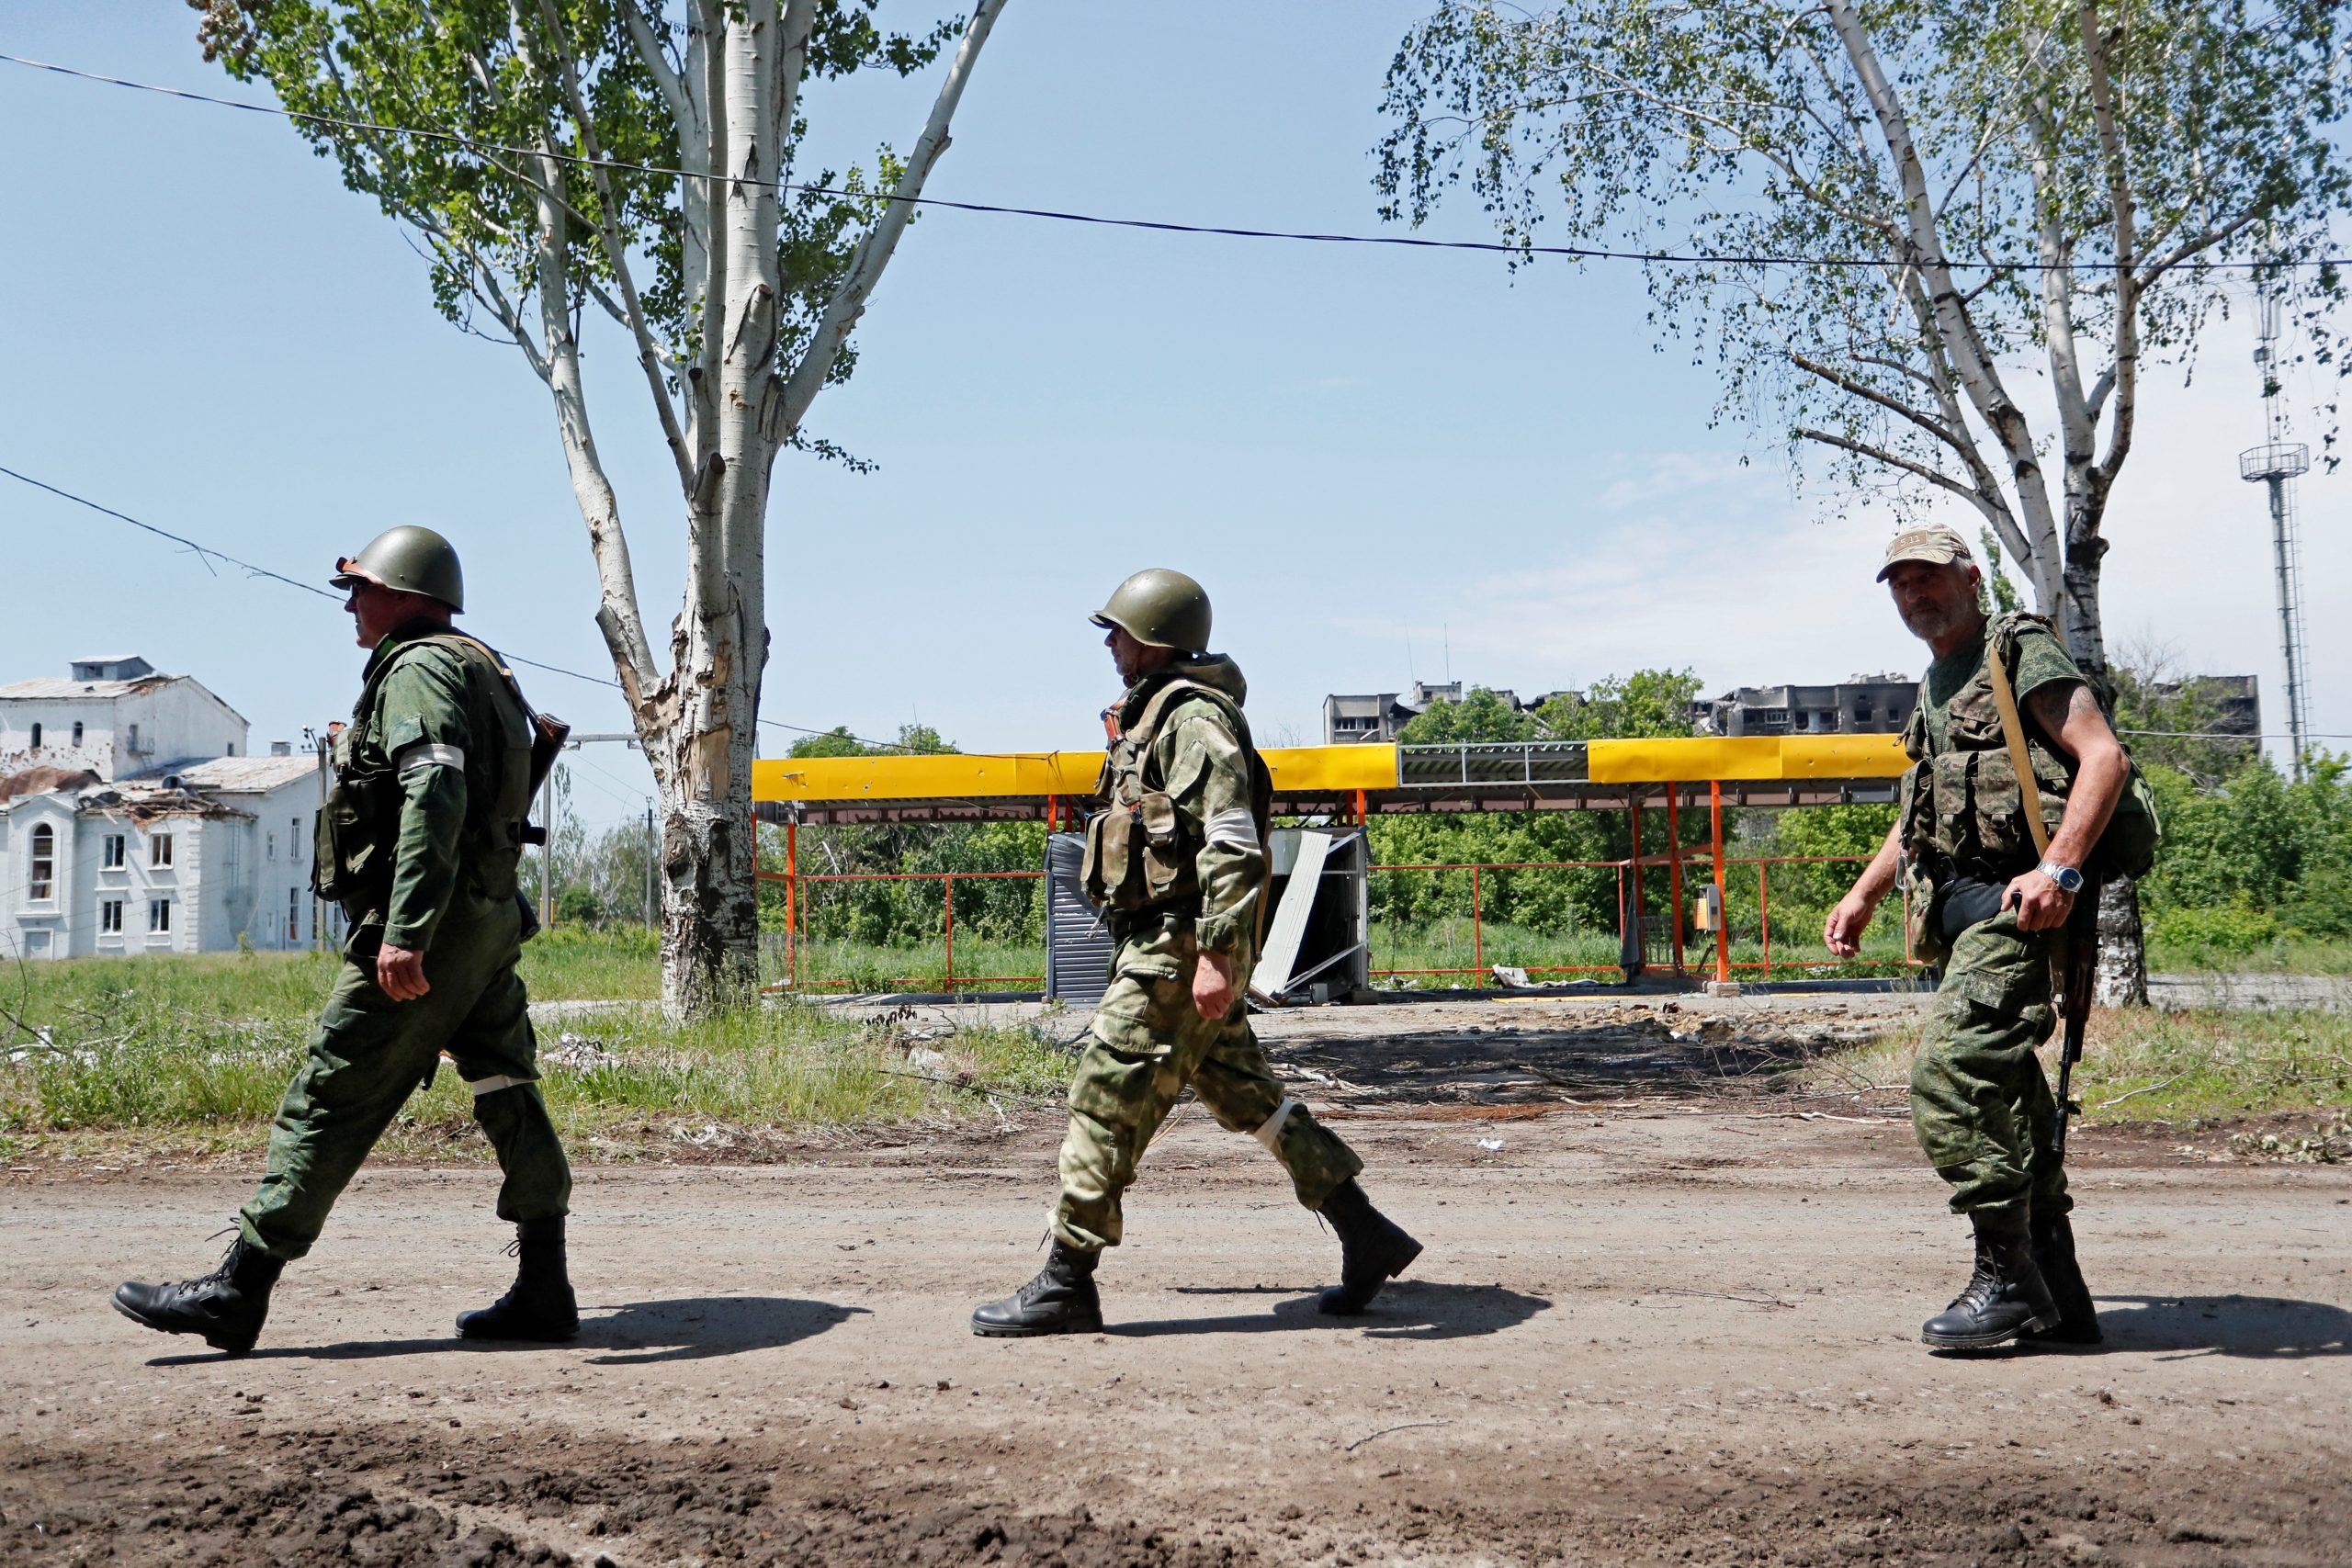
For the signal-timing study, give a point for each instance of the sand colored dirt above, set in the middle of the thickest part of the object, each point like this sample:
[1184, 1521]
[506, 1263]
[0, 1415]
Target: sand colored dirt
[1670, 1333]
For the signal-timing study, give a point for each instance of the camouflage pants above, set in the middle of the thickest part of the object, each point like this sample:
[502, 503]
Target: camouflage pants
[1979, 1101]
[370, 1052]
[1149, 1042]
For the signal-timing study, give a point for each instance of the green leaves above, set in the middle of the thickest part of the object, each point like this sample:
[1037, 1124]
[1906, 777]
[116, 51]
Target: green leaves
[469, 95]
[1740, 131]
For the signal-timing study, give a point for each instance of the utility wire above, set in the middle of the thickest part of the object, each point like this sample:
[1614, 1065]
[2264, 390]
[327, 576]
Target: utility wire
[206, 554]
[2227, 735]
[1408, 241]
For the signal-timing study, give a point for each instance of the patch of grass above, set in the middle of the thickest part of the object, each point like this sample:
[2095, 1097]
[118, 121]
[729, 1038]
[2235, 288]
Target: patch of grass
[2142, 1064]
[835, 968]
[192, 1054]
[1447, 944]
[2285, 954]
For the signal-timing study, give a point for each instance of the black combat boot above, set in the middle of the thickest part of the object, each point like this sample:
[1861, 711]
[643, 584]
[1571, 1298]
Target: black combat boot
[1061, 1299]
[226, 1306]
[541, 1306]
[2053, 1254]
[1374, 1249]
[2003, 1298]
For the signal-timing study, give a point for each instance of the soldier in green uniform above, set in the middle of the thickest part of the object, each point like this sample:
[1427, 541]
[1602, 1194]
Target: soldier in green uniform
[1178, 861]
[419, 843]
[1980, 1103]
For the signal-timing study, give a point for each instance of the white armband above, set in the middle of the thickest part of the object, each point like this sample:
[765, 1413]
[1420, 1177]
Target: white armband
[428, 754]
[1234, 825]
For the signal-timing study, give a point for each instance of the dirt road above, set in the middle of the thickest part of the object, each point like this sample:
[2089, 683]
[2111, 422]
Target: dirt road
[1666, 1336]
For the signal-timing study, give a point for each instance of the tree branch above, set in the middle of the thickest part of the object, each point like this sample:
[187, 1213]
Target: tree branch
[1895, 460]
[790, 397]
[649, 353]
[1853, 387]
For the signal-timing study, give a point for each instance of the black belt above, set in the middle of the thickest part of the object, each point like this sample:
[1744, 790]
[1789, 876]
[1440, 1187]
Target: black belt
[1969, 901]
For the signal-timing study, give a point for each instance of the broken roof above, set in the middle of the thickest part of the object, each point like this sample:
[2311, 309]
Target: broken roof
[237, 775]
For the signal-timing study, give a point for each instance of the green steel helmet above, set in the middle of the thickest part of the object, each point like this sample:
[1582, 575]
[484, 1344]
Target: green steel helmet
[412, 560]
[1159, 608]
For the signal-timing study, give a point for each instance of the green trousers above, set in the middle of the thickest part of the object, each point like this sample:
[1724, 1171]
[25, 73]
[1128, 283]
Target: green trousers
[1980, 1103]
[1148, 1042]
[370, 1052]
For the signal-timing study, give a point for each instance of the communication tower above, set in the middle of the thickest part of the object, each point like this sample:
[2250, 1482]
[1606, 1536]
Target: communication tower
[2277, 463]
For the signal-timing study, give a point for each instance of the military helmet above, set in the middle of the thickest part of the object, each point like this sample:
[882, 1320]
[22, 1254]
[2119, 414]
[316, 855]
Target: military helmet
[412, 560]
[1159, 608]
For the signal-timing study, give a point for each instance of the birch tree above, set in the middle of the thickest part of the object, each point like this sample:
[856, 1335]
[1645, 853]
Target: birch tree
[1944, 241]
[640, 159]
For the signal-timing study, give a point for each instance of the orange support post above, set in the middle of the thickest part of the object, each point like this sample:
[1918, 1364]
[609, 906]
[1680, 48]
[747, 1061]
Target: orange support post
[1723, 922]
[791, 903]
[1478, 929]
[1674, 865]
[1363, 817]
[1641, 938]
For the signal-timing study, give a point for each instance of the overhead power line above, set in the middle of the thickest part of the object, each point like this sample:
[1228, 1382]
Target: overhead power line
[1164, 226]
[208, 555]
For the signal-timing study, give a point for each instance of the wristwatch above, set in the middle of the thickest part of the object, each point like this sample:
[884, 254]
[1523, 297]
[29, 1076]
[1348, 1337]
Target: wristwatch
[2068, 878]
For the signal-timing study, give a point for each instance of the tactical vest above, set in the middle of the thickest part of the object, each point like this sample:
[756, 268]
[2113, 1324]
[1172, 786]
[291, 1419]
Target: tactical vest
[358, 833]
[1140, 852]
[1962, 809]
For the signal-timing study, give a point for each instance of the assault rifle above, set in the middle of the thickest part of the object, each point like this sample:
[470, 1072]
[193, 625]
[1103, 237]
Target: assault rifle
[2074, 997]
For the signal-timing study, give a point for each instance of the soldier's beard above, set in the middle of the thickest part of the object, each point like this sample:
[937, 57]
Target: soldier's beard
[1930, 622]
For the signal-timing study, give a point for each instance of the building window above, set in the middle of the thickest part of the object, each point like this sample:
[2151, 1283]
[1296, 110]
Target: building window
[36, 737]
[293, 916]
[41, 885]
[110, 916]
[159, 849]
[132, 746]
[116, 856]
[294, 841]
[232, 748]
[77, 732]
[269, 846]
[158, 914]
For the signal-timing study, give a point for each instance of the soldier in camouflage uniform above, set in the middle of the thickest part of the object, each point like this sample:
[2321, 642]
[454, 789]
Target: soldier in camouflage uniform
[1179, 861]
[1980, 1103]
[419, 843]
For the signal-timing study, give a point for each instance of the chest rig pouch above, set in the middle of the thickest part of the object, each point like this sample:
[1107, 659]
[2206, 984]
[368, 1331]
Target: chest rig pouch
[351, 864]
[1139, 852]
[359, 829]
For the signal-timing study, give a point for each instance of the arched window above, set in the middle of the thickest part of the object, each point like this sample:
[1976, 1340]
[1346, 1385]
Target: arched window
[41, 885]
[36, 737]
[77, 732]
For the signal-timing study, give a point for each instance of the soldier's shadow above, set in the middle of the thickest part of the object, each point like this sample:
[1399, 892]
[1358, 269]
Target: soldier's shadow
[694, 1327]
[688, 1328]
[2257, 1327]
[1407, 1309]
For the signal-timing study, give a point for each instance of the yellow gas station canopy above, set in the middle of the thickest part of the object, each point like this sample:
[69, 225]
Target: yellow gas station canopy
[1795, 770]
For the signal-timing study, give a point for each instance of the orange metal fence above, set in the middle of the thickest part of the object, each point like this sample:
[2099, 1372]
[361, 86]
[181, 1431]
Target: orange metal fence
[1719, 960]
[792, 879]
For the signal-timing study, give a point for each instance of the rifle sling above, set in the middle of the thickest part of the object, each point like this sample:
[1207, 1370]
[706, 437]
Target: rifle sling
[2013, 733]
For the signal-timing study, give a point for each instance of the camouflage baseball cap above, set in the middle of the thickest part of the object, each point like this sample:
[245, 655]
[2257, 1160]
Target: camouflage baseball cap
[1935, 544]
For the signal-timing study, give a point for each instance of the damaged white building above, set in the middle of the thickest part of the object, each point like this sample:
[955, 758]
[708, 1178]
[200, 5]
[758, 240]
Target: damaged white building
[134, 819]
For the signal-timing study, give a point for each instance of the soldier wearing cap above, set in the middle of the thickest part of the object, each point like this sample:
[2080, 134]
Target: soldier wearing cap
[419, 843]
[1985, 900]
[1178, 862]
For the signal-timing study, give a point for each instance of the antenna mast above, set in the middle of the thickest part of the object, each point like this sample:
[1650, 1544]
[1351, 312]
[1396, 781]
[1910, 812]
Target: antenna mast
[2277, 463]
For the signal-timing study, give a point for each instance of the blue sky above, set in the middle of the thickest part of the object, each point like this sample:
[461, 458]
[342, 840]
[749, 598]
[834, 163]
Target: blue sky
[1384, 463]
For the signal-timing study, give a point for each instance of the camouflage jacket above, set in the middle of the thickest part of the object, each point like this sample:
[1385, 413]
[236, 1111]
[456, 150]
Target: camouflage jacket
[432, 787]
[1188, 798]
